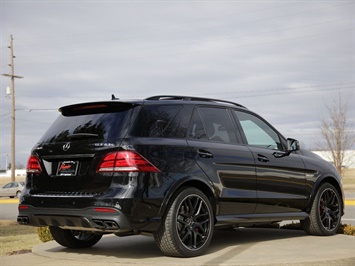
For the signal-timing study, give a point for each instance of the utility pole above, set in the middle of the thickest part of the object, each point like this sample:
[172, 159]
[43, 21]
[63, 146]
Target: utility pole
[12, 77]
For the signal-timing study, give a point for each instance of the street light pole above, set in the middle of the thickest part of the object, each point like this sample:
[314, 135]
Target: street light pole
[12, 77]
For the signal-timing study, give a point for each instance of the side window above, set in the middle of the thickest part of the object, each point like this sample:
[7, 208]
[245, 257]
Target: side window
[8, 185]
[196, 131]
[158, 121]
[213, 124]
[257, 132]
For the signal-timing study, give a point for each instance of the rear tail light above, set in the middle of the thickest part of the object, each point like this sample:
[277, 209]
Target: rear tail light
[125, 161]
[33, 165]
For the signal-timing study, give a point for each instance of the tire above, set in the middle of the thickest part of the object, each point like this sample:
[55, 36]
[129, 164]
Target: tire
[74, 239]
[325, 216]
[187, 227]
[18, 193]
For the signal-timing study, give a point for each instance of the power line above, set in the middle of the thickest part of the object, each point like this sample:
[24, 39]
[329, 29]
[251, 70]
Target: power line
[232, 95]
[338, 85]
[294, 92]
[6, 114]
[265, 92]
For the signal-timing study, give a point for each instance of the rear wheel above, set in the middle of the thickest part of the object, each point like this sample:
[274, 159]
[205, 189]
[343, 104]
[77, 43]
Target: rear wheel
[74, 239]
[187, 228]
[325, 216]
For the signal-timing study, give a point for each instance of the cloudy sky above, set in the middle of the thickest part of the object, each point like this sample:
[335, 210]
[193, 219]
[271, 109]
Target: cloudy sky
[285, 60]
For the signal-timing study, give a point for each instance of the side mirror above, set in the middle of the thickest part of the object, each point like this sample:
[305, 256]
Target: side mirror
[293, 145]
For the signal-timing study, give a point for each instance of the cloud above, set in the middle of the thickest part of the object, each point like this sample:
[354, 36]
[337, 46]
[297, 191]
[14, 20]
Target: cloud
[283, 60]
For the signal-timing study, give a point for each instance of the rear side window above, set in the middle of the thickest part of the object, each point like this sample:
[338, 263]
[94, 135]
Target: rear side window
[213, 124]
[103, 124]
[197, 130]
[160, 121]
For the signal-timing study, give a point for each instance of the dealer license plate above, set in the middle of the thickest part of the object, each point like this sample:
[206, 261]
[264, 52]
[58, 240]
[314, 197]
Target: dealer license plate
[67, 168]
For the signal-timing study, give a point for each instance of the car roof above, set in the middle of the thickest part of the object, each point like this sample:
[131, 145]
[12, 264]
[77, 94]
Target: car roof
[192, 99]
[154, 99]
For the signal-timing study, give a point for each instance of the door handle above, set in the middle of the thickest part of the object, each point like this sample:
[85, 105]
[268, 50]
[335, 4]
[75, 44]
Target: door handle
[263, 159]
[204, 154]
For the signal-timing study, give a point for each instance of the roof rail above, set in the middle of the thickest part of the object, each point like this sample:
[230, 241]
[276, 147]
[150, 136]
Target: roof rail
[190, 98]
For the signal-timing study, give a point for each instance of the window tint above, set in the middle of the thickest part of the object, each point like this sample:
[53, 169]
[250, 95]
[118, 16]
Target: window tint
[106, 126]
[197, 131]
[213, 124]
[257, 132]
[159, 121]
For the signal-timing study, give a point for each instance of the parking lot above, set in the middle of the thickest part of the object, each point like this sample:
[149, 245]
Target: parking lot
[229, 247]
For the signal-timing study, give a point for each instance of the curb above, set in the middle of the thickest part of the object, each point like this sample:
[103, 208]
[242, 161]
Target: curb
[235, 247]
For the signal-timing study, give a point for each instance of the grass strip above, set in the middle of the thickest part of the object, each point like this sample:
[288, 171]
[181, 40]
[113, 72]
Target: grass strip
[17, 239]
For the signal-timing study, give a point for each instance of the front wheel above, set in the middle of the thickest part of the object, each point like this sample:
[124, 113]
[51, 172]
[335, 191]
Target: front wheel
[325, 216]
[74, 239]
[187, 228]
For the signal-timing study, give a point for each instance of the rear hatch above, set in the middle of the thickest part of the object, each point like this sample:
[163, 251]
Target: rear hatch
[72, 148]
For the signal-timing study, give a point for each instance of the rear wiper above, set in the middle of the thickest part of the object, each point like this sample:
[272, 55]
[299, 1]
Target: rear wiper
[82, 136]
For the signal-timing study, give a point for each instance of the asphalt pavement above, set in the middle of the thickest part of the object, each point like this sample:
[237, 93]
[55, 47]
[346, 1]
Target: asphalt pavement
[230, 247]
[242, 246]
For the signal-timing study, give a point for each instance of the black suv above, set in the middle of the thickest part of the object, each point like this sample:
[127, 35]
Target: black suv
[174, 167]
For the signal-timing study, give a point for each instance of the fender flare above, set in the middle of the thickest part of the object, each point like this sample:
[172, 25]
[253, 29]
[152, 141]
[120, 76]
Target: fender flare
[191, 181]
[326, 178]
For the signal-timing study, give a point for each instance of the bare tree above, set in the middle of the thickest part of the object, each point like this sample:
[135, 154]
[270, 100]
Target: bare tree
[335, 132]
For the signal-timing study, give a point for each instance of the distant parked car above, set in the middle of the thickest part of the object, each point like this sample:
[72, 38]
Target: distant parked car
[12, 189]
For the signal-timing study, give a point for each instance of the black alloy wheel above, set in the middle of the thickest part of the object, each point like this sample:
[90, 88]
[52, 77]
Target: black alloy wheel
[326, 212]
[329, 209]
[193, 222]
[188, 226]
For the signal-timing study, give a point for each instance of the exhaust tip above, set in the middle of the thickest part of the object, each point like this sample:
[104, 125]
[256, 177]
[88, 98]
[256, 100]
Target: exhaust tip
[105, 224]
[23, 220]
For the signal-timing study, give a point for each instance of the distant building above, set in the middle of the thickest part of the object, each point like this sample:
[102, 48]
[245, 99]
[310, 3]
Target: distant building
[18, 173]
[349, 160]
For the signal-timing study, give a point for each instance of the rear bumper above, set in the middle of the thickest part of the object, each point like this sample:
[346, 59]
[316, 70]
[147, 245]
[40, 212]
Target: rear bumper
[106, 215]
[89, 219]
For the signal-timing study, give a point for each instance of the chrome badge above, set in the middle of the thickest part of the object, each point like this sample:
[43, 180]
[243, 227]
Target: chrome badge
[66, 146]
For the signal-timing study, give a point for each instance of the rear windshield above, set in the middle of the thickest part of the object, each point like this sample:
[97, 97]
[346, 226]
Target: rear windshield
[74, 124]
